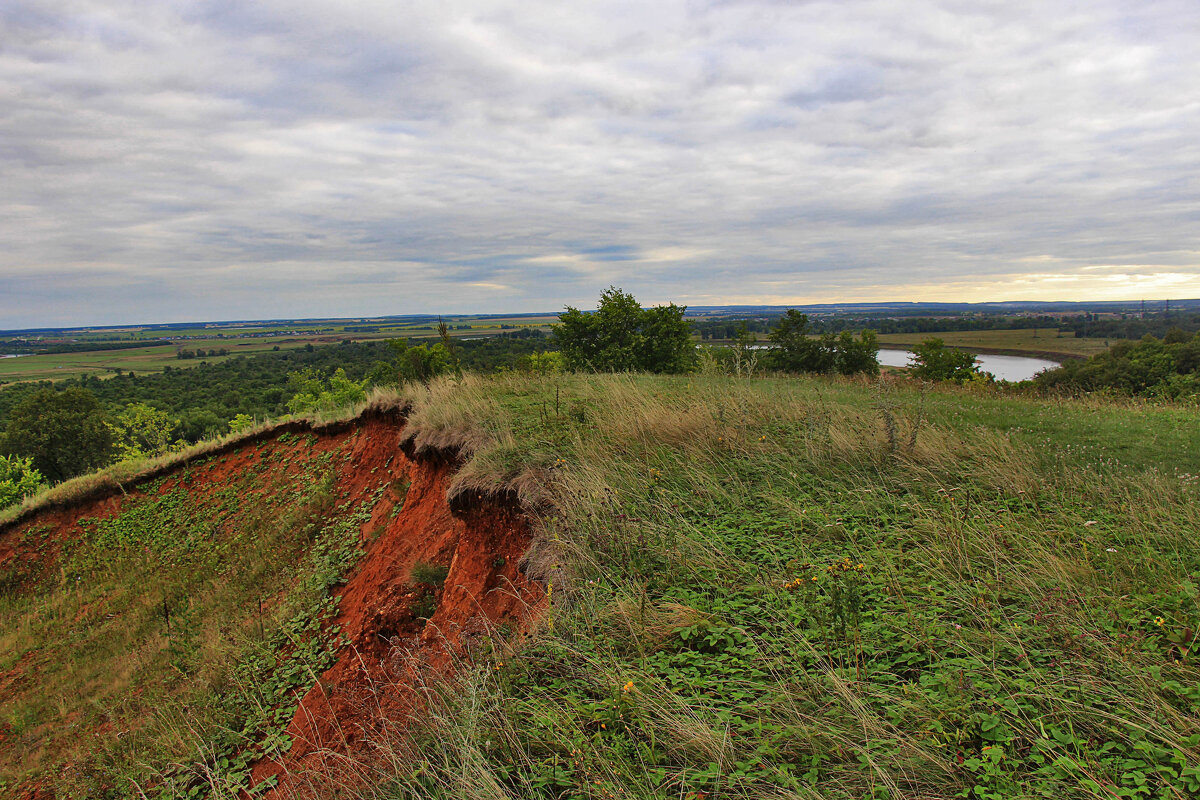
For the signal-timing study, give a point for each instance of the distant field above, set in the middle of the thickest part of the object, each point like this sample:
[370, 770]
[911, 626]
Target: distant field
[249, 340]
[59, 366]
[1043, 341]
[333, 327]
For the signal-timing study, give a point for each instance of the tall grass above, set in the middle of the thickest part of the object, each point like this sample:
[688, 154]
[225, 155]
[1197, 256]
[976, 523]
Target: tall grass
[1020, 624]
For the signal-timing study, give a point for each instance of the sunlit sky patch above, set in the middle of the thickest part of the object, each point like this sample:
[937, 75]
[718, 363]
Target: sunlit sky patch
[226, 160]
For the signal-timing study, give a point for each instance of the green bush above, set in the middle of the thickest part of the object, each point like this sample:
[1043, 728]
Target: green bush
[18, 479]
[934, 361]
[1167, 368]
[64, 433]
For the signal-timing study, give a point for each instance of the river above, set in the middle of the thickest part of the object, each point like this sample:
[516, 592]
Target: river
[1005, 368]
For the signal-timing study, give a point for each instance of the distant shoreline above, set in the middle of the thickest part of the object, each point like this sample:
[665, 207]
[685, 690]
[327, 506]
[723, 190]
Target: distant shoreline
[1049, 355]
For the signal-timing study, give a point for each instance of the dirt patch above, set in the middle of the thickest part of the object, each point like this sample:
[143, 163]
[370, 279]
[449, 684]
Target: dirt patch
[393, 650]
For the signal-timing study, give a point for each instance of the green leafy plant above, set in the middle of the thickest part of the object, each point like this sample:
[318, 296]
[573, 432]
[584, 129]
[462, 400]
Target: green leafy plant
[18, 479]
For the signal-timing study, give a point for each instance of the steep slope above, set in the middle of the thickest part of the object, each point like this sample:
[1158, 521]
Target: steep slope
[131, 615]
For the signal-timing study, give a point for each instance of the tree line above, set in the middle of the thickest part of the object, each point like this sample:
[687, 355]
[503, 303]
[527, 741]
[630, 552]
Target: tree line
[1125, 326]
[55, 431]
[1168, 368]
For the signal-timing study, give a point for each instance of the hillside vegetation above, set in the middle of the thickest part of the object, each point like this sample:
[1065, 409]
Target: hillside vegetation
[783, 587]
[815, 588]
[1167, 368]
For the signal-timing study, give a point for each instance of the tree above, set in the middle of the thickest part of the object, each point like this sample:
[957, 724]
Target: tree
[63, 433]
[18, 479]
[142, 431]
[544, 363]
[621, 336]
[381, 374]
[316, 393]
[857, 355]
[1176, 335]
[422, 362]
[241, 423]
[796, 351]
[936, 362]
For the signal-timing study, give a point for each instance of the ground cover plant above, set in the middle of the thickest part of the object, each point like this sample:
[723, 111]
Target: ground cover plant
[162, 649]
[827, 588]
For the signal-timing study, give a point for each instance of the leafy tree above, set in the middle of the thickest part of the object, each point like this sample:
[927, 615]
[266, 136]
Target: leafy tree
[857, 355]
[201, 423]
[422, 362]
[382, 374]
[64, 433]
[18, 479]
[545, 363]
[1176, 335]
[316, 393]
[621, 336]
[142, 431]
[934, 361]
[797, 351]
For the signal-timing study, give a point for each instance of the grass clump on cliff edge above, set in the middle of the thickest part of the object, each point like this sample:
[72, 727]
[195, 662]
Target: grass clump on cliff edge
[816, 588]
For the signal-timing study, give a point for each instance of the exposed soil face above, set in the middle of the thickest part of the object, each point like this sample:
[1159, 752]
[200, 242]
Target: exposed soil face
[400, 633]
[366, 697]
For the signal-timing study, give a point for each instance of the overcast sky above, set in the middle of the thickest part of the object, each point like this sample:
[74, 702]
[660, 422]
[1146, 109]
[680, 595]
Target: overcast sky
[223, 160]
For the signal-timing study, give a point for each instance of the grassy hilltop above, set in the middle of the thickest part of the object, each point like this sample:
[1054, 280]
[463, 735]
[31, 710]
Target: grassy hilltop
[814, 588]
[769, 587]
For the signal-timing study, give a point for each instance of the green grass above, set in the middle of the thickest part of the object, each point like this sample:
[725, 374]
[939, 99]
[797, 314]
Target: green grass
[807, 588]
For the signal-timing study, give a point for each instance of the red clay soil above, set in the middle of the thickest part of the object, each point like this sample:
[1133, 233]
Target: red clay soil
[366, 697]
[368, 694]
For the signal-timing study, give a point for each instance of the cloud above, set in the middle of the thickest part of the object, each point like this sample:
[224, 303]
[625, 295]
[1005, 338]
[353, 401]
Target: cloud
[229, 160]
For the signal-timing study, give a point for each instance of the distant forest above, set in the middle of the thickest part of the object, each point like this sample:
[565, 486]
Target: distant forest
[205, 397]
[1128, 326]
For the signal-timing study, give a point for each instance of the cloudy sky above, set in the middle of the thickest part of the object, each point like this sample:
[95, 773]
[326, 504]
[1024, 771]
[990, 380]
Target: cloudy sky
[224, 160]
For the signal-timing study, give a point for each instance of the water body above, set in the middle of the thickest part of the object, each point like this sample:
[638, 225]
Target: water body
[1005, 368]
[14, 355]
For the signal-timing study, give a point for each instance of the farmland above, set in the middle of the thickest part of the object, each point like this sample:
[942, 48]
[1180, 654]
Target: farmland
[163, 345]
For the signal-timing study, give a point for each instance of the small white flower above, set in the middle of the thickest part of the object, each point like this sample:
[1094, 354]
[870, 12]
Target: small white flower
[1110, 549]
